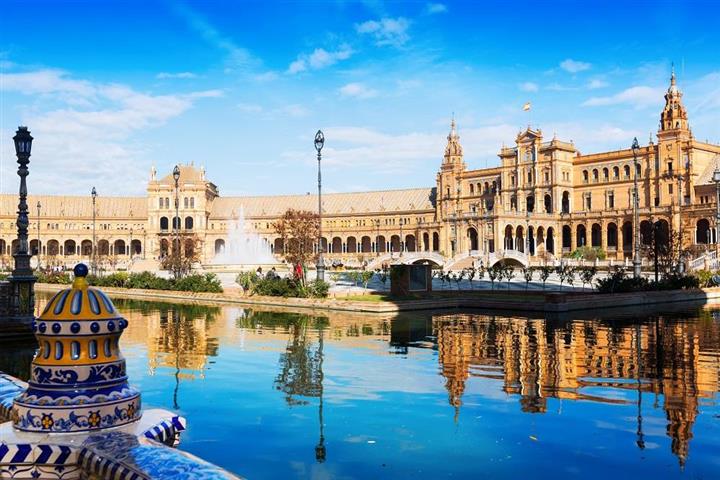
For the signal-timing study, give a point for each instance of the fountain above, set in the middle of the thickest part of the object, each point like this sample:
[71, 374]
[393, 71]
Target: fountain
[243, 250]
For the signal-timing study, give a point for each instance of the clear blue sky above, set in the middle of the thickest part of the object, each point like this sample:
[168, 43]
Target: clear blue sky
[111, 88]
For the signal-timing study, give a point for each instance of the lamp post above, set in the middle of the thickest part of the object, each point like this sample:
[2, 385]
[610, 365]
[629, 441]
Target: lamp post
[636, 213]
[320, 267]
[144, 244]
[130, 246]
[716, 179]
[93, 194]
[402, 243]
[39, 247]
[377, 237]
[176, 220]
[22, 275]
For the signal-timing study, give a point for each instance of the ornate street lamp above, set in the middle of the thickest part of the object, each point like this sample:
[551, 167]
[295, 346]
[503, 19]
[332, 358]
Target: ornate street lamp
[320, 267]
[39, 248]
[22, 276]
[377, 237]
[402, 240]
[636, 213]
[93, 193]
[131, 247]
[176, 221]
[716, 179]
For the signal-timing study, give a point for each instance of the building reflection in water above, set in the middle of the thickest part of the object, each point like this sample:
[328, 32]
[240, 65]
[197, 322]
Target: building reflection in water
[676, 361]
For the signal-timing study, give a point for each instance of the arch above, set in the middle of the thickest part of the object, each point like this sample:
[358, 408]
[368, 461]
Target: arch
[472, 188]
[53, 248]
[627, 234]
[278, 246]
[530, 203]
[365, 244]
[381, 246]
[351, 245]
[540, 237]
[436, 242]
[136, 247]
[494, 186]
[426, 242]
[337, 245]
[531, 240]
[394, 243]
[119, 247]
[33, 247]
[566, 237]
[69, 247]
[550, 240]
[595, 174]
[86, 248]
[164, 247]
[596, 235]
[220, 246]
[164, 222]
[323, 243]
[508, 239]
[616, 173]
[662, 233]
[646, 233]
[189, 223]
[487, 188]
[189, 248]
[103, 247]
[581, 235]
[626, 171]
[410, 243]
[586, 176]
[606, 173]
[489, 204]
[566, 202]
[473, 236]
[15, 246]
[176, 223]
[702, 231]
[3, 247]
[548, 203]
[513, 202]
[520, 239]
[612, 235]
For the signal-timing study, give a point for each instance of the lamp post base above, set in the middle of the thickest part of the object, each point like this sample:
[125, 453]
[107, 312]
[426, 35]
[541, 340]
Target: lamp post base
[320, 269]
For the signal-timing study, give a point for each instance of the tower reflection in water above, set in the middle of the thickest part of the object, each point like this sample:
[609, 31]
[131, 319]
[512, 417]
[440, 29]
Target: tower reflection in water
[673, 361]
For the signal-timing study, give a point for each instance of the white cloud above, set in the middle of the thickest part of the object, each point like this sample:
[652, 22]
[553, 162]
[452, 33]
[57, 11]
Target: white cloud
[433, 8]
[574, 66]
[295, 110]
[357, 90]
[529, 87]
[163, 75]
[319, 58]
[597, 83]
[250, 107]
[386, 31]
[638, 97]
[266, 77]
[85, 131]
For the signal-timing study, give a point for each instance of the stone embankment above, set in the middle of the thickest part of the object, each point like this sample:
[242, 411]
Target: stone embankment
[530, 301]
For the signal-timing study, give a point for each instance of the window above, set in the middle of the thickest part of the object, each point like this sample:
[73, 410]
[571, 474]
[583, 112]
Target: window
[626, 170]
[588, 202]
[611, 199]
[595, 175]
[585, 176]
[605, 174]
[616, 173]
[670, 189]
[192, 202]
[670, 165]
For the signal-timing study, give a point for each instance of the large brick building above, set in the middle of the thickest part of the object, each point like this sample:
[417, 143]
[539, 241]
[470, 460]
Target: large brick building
[544, 199]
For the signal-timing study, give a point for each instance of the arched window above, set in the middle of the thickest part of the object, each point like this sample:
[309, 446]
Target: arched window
[472, 188]
[161, 202]
[164, 223]
[585, 176]
[595, 175]
[192, 202]
[188, 223]
[626, 171]
[616, 173]
[186, 202]
[606, 174]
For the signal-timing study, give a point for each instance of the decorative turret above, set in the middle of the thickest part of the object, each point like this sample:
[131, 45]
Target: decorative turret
[674, 115]
[78, 380]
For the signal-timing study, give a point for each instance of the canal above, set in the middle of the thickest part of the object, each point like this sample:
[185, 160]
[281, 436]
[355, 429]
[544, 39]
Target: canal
[271, 394]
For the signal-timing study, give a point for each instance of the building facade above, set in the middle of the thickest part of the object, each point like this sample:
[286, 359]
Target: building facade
[545, 199]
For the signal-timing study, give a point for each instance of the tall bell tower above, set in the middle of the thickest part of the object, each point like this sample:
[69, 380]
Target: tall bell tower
[450, 191]
[673, 119]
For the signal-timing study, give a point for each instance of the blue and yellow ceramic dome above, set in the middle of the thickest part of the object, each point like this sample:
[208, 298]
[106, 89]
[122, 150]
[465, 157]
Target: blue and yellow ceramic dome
[78, 380]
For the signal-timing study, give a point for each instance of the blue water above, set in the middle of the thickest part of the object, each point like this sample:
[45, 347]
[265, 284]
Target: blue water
[445, 395]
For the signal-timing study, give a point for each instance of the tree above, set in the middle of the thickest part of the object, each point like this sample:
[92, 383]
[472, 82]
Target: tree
[670, 253]
[180, 260]
[508, 272]
[494, 273]
[527, 273]
[365, 277]
[299, 232]
[587, 274]
[545, 272]
[471, 271]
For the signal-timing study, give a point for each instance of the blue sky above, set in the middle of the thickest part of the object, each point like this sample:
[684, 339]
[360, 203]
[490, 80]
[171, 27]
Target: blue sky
[111, 88]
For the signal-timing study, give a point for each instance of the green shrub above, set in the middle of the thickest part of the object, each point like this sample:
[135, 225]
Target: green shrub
[148, 281]
[318, 289]
[277, 287]
[198, 283]
[704, 277]
[618, 282]
[247, 280]
[588, 253]
[58, 278]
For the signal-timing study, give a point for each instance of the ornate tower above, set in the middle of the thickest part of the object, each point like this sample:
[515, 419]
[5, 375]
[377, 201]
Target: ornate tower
[674, 116]
[450, 190]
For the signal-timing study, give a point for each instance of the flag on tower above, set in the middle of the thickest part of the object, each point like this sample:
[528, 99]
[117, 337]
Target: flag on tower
[526, 107]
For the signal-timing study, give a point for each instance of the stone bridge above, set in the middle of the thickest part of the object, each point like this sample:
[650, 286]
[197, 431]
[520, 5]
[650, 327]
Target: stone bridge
[406, 258]
[508, 255]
